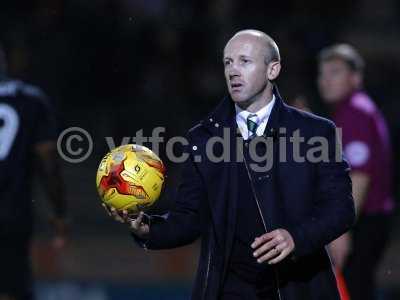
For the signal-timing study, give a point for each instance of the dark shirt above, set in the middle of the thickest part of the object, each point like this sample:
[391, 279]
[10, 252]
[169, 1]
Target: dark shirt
[249, 226]
[26, 119]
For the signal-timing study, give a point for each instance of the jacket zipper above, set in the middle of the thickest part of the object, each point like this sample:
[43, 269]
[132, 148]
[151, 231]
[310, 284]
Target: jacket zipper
[263, 221]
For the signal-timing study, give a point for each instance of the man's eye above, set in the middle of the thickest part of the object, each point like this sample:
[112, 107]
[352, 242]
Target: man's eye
[227, 62]
[245, 60]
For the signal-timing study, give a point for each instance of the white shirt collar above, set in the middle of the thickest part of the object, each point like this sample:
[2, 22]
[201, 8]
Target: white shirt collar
[263, 116]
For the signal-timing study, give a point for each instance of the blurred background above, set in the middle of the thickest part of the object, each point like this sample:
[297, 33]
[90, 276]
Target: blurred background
[114, 67]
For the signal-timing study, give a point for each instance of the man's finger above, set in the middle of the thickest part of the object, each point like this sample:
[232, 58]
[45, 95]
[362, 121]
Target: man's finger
[125, 215]
[270, 254]
[135, 224]
[279, 258]
[262, 239]
[106, 209]
[266, 247]
[116, 215]
[276, 251]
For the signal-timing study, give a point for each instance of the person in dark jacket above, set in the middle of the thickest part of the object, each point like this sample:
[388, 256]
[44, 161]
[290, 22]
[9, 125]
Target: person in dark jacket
[267, 199]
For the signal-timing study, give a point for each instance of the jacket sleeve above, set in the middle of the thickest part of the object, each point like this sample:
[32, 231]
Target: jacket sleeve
[183, 224]
[333, 212]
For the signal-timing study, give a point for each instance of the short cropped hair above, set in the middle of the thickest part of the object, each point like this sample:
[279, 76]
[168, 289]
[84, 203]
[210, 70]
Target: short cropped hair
[273, 54]
[272, 47]
[344, 52]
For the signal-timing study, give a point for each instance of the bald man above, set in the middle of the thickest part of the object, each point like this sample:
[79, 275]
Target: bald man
[264, 220]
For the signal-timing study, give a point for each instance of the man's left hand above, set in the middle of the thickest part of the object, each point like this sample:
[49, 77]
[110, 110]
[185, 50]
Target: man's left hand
[273, 246]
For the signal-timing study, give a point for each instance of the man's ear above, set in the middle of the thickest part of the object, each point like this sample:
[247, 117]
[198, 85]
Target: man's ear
[273, 70]
[357, 80]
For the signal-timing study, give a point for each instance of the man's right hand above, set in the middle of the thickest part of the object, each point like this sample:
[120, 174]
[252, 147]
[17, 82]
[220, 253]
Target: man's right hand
[340, 250]
[137, 226]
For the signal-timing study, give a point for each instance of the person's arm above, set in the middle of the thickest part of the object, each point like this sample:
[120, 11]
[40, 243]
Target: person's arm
[48, 168]
[185, 222]
[360, 182]
[334, 212]
[46, 158]
[341, 248]
[182, 225]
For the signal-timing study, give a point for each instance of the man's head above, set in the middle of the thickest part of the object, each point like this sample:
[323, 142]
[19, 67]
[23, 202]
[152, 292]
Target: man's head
[340, 72]
[251, 62]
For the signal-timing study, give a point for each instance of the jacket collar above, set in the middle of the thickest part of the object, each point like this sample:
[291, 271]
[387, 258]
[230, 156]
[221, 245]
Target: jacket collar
[224, 114]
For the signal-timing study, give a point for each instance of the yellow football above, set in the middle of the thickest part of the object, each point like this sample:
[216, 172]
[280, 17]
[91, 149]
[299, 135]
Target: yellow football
[130, 177]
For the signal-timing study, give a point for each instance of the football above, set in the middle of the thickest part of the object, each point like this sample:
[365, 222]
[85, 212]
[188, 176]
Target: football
[130, 177]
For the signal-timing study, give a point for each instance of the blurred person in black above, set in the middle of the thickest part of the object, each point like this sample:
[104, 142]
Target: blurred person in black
[27, 140]
[263, 232]
[367, 147]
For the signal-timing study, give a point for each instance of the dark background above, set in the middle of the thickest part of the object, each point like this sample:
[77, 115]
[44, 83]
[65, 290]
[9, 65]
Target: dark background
[114, 67]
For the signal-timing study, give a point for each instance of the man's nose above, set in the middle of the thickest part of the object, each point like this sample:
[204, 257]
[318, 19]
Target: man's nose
[233, 72]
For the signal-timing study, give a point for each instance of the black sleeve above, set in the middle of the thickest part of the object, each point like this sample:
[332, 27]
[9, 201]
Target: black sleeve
[185, 223]
[334, 211]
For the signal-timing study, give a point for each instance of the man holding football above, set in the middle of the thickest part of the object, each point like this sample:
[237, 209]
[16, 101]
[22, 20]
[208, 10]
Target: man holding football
[263, 231]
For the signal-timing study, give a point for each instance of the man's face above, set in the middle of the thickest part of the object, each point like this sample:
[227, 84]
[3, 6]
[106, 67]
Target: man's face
[336, 81]
[245, 68]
